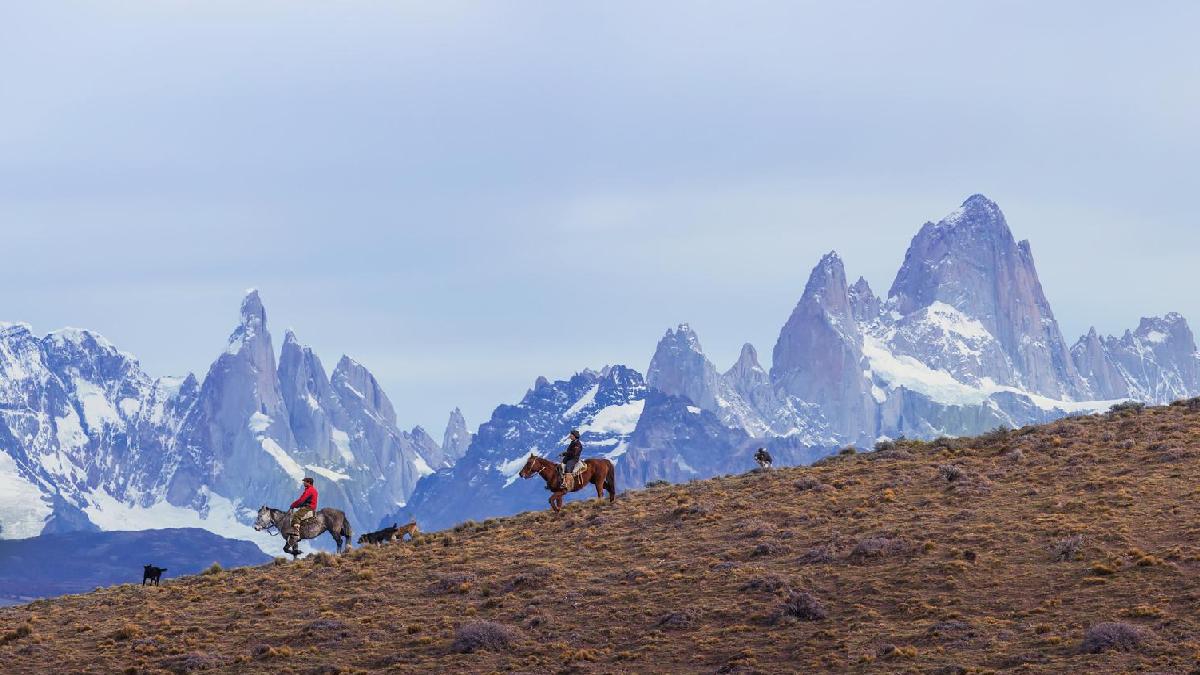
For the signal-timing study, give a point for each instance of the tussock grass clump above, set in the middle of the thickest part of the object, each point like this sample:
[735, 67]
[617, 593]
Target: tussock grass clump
[1068, 548]
[458, 582]
[768, 548]
[950, 472]
[808, 483]
[801, 605]
[20, 632]
[323, 559]
[677, 620]
[213, 569]
[482, 636]
[126, 632]
[187, 663]
[1113, 636]
[874, 548]
[1128, 406]
[696, 509]
[769, 583]
[658, 484]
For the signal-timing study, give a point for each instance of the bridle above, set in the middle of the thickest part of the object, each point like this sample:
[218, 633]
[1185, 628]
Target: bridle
[270, 523]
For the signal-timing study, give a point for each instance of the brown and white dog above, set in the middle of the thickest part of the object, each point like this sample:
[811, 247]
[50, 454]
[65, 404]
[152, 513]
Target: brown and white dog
[393, 533]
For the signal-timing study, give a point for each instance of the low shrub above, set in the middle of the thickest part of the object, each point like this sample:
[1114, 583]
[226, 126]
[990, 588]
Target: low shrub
[802, 605]
[1116, 636]
[482, 636]
[1128, 406]
[677, 620]
[950, 472]
[459, 582]
[880, 547]
[1068, 548]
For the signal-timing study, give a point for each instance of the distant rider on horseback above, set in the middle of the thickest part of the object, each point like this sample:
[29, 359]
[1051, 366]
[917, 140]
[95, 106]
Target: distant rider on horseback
[572, 455]
[304, 507]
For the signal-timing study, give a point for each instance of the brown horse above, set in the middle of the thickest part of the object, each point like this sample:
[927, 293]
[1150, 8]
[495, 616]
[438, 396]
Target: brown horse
[599, 472]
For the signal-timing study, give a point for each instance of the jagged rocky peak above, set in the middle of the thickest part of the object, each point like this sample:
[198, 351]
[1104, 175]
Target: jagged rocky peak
[965, 251]
[970, 261]
[457, 438]
[680, 368]
[818, 358]
[821, 323]
[864, 304]
[746, 372]
[355, 383]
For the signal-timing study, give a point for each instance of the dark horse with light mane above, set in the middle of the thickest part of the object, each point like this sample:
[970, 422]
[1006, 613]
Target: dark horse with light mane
[328, 520]
[599, 472]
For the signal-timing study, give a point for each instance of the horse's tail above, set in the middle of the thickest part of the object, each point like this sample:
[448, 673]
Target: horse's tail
[347, 532]
[610, 482]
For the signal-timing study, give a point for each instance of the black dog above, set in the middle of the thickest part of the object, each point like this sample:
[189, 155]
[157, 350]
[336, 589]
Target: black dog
[384, 535]
[152, 574]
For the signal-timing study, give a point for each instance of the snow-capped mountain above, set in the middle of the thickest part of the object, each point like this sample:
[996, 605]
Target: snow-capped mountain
[88, 440]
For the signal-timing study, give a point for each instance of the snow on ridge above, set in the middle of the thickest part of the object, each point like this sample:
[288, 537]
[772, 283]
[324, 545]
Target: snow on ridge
[341, 440]
[69, 431]
[616, 419]
[21, 501]
[951, 320]
[285, 461]
[221, 516]
[584, 401]
[97, 411]
[940, 386]
[422, 467]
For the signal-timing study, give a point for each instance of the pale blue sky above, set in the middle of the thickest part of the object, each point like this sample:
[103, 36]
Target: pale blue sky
[464, 196]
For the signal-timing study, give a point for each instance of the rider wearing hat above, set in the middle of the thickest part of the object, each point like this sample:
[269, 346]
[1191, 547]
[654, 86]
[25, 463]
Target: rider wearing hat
[303, 507]
[572, 453]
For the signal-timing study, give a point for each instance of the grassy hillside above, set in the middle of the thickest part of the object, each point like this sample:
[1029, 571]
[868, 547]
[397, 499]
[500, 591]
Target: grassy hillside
[1022, 550]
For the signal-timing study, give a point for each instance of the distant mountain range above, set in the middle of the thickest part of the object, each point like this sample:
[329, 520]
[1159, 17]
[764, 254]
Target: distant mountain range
[965, 341]
[77, 562]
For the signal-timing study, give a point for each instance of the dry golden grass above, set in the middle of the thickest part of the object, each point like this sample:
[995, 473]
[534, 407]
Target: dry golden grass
[1006, 552]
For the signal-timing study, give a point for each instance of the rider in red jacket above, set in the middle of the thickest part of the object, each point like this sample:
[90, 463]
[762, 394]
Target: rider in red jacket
[304, 507]
[308, 498]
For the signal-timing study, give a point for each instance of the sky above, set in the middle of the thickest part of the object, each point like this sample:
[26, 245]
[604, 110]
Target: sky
[464, 196]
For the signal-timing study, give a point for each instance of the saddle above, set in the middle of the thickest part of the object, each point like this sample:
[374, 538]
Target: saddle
[569, 479]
